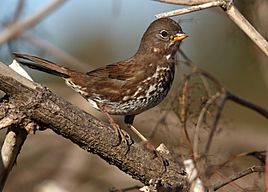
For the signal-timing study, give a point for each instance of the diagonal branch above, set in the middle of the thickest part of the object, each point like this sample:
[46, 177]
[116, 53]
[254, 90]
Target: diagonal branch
[232, 12]
[245, 26]
[52, 49]
[18, 27]
[238, 175]
[185, 2]
[11, 147]
[191, 9]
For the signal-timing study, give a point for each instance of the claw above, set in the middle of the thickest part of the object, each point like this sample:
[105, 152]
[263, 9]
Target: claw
[118, 135]
[129, 142]
[122, 137]
[156, 154]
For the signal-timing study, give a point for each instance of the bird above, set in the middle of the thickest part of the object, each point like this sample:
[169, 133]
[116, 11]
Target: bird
[128, 87]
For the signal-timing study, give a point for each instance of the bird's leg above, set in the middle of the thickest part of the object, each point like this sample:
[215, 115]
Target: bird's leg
[144, 139]
[129, 119]
[121, 134]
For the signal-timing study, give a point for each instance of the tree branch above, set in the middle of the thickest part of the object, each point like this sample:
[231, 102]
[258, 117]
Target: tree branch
[18, 27]
[185, 2]
[52, 49]
[238, 175]
[230, 96]
[40, 105]
[11, 147]
[191, 9]
[232, 12]
[245, 26]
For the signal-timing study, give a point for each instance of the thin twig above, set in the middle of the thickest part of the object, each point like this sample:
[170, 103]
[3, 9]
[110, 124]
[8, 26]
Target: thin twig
[230, 160]
[18, 27]
[162, 121]
[191, 9]
[190, 63]
[183, 114]
[238, 175]
[52, 50]
[8, 121]
[260, 155]
[237, 187]
[185, 2]
[10, 149]
[227, 94]
[230, 96]
[245, 26]
[126, 189]
[215, 121]
[234, 15]
[18, 11]
[199, 122]
[266, 169]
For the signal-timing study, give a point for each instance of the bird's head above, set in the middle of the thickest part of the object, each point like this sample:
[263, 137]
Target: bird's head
[162, 36]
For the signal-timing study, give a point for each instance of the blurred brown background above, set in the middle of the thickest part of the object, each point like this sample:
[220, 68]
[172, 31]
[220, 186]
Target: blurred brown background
[104, 31]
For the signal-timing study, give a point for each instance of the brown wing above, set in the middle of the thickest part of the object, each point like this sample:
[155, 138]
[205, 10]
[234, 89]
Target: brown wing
[116, 71]
[114, 81]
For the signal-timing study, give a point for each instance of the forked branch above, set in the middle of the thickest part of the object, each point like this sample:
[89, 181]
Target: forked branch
[232, 12]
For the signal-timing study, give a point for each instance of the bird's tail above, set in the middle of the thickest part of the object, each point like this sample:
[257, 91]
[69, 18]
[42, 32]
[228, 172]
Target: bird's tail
[42, 65]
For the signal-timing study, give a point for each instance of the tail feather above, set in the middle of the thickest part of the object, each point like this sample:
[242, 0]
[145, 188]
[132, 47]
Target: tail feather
[41, 65]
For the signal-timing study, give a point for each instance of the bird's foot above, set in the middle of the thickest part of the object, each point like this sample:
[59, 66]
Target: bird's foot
[149, 146]
[121, 135]
[156, 154]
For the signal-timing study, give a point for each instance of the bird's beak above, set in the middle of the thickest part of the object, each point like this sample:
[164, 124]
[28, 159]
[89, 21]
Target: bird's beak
[178, 36]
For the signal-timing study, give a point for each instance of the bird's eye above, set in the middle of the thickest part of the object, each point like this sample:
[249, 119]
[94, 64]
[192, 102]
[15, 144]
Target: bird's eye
[164, 33]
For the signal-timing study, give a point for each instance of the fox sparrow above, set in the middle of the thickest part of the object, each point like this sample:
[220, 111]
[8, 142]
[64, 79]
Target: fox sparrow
[127, 87]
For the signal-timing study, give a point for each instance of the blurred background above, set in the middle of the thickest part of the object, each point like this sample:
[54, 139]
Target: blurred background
[84, 35]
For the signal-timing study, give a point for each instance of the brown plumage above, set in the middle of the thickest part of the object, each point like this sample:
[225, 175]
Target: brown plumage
[126, 87]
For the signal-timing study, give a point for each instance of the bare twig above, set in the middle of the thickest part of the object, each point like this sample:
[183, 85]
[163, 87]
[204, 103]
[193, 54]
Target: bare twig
[52, 50]
[19, 8]
[245, 26]
[126, 189]
[18, 27]
[161, 121]
[266, 169]
[237, 187]
[199, 122]
[191, 9]
[8, 121]
[230, 96]
[190, 63]
[260, 155]
[238, 175]
[183, 113]
[185, 2]
[10, 149]
[215, 121]
[233, 158]
[234, 15]
[227, 95]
